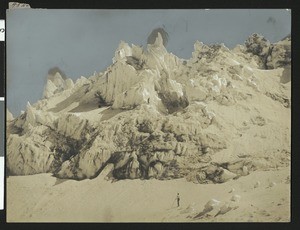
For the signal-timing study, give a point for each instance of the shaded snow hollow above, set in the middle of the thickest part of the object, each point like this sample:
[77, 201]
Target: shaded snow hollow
[214, 117]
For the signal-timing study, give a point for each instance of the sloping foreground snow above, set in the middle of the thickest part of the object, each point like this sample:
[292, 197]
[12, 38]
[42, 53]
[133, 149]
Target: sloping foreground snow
[98, 200]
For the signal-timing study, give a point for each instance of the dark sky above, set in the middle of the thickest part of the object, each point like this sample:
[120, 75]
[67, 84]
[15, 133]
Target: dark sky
[80, 42]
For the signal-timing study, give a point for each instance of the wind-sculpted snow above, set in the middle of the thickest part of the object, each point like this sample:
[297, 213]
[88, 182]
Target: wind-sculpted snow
[212, 118]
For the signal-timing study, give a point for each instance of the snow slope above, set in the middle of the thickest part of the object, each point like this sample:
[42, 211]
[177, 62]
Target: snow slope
[99, 200]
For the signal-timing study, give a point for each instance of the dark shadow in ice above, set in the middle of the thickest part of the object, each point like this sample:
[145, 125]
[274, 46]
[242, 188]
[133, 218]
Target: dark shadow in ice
[75, 97]
[109, 113]
[59, 181]
[85, 107]
[286, 75]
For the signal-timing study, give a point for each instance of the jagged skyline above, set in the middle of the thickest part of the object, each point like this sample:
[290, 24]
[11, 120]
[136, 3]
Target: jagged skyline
[81, 42]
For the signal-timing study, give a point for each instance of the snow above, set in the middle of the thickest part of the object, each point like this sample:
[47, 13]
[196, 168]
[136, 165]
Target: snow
[99, 200]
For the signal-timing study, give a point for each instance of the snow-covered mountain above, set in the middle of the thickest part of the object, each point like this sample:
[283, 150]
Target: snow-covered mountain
[216, 116]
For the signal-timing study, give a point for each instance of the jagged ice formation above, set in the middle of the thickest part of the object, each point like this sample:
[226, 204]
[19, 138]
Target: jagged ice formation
[214, 117]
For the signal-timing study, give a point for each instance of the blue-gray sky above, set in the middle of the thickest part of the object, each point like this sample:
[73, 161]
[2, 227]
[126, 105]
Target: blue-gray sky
[80, 42]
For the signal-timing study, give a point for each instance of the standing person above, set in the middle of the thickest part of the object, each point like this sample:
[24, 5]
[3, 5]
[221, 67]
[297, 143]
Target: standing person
[178, 199]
